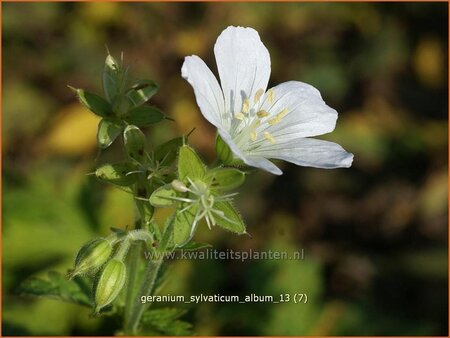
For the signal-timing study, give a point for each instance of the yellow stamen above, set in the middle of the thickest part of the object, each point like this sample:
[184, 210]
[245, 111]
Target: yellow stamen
[283, 113]
[253, 135]
[270, 96]
[245, 106]
[239, 116]
[269, 137]
[258, 94]
[278, 117]
[262, 113]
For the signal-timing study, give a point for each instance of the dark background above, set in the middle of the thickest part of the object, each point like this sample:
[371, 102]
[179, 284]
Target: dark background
[375, 235]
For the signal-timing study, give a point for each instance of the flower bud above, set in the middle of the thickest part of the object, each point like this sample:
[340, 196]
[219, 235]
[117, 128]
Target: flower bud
[110, 283]
[92, 256]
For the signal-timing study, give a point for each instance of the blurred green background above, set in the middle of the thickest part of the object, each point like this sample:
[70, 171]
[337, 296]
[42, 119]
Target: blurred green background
[375, 235]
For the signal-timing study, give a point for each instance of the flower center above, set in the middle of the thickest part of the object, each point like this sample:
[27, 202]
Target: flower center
[248, 128]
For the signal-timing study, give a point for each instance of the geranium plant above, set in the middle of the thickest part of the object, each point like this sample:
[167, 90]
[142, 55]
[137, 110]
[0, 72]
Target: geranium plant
[111, 273]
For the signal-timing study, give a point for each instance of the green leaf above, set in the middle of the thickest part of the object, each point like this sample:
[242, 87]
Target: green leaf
[144, 116]
[231, 221]
[94, 103]
[167, 152]
[117, 173]
[111, 78]
[134, 143]
[107, 132]
[163, 196]
[142, 91]
[191, 246]
[165, 322]
[225, 179]
[184, 222]
[190, 165]
[57, 287]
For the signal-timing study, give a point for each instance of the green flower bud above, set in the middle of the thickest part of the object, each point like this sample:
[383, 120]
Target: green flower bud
[92, 256]
[110, 283]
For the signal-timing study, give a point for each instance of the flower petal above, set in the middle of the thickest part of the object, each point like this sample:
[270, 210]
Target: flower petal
[308, 152]
[253, 161]
[305, 113]
[206, 88]
[263, 163]
[244, 66]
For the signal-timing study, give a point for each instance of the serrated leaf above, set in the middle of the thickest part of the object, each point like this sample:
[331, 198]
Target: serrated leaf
[185, 225]
[56, 287]
[142, 91]
[144, 116]
[110, 78]
[117, 173]
[163, 196]
[94, 103]
[167, 152]
[165, 322]
[107, 132]
[225, 179]
[231, 221]
[134, 141]
[190, 165]
[194, 246]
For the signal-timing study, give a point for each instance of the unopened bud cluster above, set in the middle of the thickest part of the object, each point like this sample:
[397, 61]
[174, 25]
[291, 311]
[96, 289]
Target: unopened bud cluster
[104, 260]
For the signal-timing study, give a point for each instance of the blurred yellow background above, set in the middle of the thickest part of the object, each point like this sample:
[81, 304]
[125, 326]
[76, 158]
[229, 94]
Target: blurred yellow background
[375, 235]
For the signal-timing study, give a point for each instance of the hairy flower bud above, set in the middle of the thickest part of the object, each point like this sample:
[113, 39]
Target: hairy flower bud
[92, 256]
[110, 283]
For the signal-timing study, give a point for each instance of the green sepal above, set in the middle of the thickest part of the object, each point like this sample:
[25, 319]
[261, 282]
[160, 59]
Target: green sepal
[190, 165]
[92, 256]
[134, 140]
[225, 179]
[117, 173]
[167, 235]
[225, 154]
[94, 103]
[142, 91]
[110, 283]
[144, 116]
[163, 196]
[111, 78]
[167, 152]
[121, 105]
[108, 130]
[184, 227]
[231, 221]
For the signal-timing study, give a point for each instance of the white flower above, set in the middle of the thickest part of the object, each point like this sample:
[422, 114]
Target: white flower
[257, 124]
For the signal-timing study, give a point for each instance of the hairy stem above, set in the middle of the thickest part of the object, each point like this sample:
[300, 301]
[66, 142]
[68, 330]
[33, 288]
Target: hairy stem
[148, 284]
[133, 277]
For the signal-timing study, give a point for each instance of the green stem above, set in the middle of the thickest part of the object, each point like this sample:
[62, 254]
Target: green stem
[136, 308]
[133, 270]
[147, 287]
